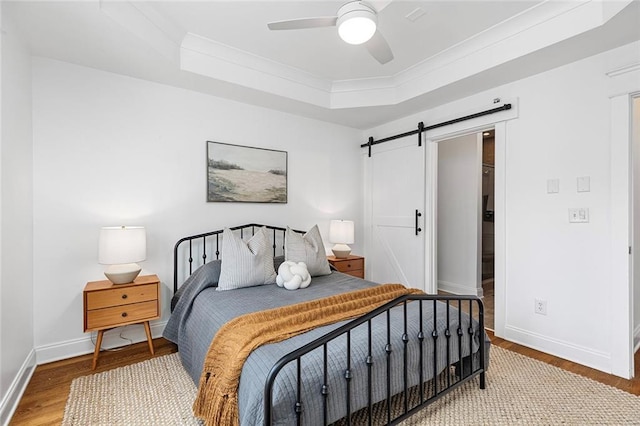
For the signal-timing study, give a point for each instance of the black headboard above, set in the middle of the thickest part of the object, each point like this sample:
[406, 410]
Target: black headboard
[197, 245]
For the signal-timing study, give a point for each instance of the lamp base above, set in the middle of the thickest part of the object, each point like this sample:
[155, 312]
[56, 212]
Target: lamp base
[341, 251]
[122, 274]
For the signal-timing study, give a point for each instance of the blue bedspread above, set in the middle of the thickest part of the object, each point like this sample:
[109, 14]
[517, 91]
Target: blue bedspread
[201, 310]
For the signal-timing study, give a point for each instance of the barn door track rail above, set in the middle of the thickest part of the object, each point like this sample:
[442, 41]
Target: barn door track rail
[422, 128]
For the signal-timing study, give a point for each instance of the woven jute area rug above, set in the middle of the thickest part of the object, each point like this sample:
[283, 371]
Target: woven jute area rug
[520, 391]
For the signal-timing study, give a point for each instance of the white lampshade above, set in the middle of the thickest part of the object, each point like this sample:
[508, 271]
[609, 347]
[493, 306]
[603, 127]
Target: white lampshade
[341, 232]
[122, 246]
[356, 23]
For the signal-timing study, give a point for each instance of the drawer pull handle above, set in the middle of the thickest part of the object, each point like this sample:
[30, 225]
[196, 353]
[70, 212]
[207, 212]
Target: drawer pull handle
[348, 265]
[124, 296]
[124, 314]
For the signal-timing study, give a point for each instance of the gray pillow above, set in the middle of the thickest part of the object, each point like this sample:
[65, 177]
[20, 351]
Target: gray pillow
[277, 261]
[246, 264]
[307, 248]
[206, 275]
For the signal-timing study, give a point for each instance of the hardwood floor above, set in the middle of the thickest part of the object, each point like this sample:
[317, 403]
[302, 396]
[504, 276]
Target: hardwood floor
[46, 395]
[489, 303]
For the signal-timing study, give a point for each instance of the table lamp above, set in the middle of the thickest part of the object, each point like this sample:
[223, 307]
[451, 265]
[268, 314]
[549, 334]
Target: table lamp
[120, 247]
[341, 233]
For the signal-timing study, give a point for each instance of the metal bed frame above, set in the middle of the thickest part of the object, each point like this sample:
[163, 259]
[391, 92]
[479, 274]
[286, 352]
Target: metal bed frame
[413, 398]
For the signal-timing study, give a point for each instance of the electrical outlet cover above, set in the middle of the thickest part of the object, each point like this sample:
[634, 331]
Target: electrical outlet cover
[540, 307]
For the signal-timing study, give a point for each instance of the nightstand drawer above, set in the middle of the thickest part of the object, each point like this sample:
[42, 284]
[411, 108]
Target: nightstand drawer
[349, 265]
[357, 273]
[118, 315]
[121, 296]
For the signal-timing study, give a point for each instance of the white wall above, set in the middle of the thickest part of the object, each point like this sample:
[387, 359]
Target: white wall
[458, 214]
[112, 150]
[17, 357]
[562, 132]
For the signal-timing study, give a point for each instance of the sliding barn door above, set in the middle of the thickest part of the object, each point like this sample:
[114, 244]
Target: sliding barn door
[394, 196]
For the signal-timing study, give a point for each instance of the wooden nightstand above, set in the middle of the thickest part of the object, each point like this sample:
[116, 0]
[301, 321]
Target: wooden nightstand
[352, 265]
[108, 305]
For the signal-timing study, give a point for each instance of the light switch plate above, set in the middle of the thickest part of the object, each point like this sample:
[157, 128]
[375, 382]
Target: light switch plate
[584, 184]
[553, 186]
[579, 215]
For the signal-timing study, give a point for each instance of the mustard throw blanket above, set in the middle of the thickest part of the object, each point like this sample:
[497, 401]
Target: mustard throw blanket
[217, 399]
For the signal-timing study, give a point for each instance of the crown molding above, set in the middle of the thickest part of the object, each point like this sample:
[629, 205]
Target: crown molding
[142, 20]
[210, 58]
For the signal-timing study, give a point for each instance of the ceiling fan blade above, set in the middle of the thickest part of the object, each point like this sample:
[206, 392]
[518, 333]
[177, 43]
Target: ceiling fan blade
[302, 23]
[379, 48]
[379, 5]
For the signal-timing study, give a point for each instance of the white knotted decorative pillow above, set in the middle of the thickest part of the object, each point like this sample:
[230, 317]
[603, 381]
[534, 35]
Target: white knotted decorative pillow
[293, 275]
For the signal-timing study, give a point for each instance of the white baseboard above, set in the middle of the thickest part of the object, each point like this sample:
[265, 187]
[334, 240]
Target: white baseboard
[10, 401]
[86, 345]
[580, 354]
[455, 288]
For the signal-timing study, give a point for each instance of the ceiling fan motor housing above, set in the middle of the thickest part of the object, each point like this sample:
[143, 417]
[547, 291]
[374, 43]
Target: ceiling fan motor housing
[356, 22]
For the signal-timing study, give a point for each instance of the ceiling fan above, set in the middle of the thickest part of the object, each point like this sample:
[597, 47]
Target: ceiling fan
[357, 24]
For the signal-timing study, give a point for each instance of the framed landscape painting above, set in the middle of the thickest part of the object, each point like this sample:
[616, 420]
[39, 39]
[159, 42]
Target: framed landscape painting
[237, 173]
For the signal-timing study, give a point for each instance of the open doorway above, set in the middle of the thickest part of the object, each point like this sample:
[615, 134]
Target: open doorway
[465, 217]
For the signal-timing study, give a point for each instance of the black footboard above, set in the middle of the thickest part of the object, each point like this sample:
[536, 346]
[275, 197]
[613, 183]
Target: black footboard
[448, 338]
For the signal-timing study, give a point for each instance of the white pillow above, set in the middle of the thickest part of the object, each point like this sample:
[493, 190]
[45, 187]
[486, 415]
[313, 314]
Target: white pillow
[246, 264]
[307, 248]
[293, 275]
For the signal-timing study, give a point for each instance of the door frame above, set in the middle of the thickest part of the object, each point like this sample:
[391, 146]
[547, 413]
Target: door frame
[498, 123]
[635, 287]
[622, 274]
[623, 86]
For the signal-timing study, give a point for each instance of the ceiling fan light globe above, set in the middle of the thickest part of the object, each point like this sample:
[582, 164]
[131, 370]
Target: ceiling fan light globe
[356, 29]
[356, 22]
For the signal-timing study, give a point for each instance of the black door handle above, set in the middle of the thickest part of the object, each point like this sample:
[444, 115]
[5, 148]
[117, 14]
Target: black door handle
[418, 229]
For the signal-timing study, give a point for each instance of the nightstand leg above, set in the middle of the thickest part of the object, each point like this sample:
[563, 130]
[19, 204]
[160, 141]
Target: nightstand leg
[96, 352]
[147, 329]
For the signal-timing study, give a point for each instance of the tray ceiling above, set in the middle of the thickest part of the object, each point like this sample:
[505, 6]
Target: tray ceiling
[224, 48]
